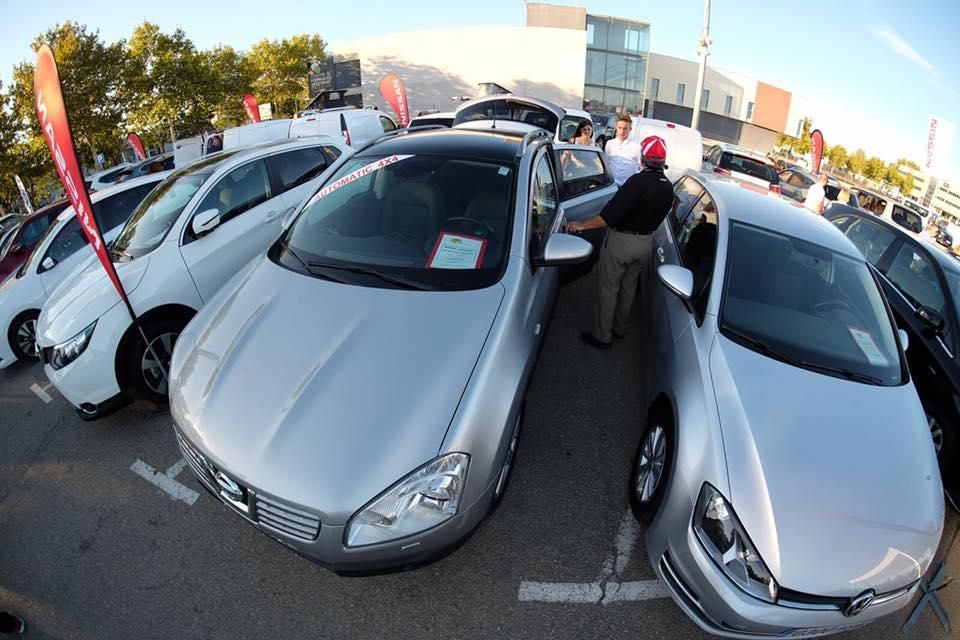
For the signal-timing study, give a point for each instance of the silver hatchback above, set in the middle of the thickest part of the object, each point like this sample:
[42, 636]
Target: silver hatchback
[785, 467]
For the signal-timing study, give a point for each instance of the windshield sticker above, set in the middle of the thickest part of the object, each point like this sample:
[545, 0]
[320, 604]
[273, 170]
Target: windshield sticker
[869, 348]
[454, 251]
[356, 175]
[503, 171]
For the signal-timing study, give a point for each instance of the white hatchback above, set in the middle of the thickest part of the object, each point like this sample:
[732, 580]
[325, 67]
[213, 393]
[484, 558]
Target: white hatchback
[198, 228]
[58, 254]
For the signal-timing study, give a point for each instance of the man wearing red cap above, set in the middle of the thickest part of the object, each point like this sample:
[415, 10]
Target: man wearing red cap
[634, 212]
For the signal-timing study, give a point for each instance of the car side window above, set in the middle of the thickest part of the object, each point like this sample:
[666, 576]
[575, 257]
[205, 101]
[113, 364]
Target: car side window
[872, 240]
[696, 240]
[69, 240]
[583, 171]
[387, 124]
[239, 191]
[32, 232]
[916, 277]
[113, 211]
[294, 168]
[543, 205]
[685, 195]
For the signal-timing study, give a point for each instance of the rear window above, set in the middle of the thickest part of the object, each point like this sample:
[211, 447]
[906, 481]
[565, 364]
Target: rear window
[907, 219]
[512, 110]
[749, 166]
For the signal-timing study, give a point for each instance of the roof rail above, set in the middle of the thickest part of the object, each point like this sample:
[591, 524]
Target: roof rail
[401, 131]
[540, 135]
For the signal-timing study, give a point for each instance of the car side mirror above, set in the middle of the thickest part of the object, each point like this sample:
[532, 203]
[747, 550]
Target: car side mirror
[904, 339]
[48, 263]
[564, 249]
[678, 280]
[205, 222]
[932, 319]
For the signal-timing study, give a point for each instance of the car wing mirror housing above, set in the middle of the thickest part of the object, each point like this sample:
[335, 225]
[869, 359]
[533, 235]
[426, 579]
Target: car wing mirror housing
[48, 263]
[933, 320]
[904, 339]
[564, 249]
[205, 222]
[678, 280]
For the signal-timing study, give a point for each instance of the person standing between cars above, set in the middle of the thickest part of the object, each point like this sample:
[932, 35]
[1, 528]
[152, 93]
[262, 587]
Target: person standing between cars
[583, 134]
[623, 156]
[632, 215]
[817, 195]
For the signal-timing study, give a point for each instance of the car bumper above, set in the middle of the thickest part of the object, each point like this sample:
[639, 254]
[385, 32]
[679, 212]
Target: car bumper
[323, 544]
[719, 607]
[91, 379]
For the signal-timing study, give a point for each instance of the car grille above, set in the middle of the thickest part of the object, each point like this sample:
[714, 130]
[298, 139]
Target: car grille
[272, 512]
[821, 631]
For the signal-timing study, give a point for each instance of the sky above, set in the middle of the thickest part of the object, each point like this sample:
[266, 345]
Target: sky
[872, 71]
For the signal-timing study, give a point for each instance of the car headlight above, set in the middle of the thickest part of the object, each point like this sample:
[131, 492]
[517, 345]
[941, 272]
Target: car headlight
[425, 498]
[66, 352]
[724, 538]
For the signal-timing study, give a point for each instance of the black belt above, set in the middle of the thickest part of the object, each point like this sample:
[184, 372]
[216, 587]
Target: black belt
[630, 233]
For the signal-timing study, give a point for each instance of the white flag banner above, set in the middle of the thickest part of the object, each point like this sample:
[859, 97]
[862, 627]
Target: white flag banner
[24, 194]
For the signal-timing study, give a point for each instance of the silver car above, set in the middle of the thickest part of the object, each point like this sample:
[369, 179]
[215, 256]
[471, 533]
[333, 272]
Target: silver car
[357, 393]
[785, 467]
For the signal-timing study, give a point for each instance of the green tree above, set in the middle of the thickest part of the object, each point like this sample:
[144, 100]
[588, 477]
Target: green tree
[232, 75]
[280, 73]
[837, 155]
[803, 145]
[875, 169]
[908, 163]
[857, 162]
[91, 73]
[169, 86]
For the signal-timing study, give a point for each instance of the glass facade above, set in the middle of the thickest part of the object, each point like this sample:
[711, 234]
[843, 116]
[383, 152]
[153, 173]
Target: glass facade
[616, 69]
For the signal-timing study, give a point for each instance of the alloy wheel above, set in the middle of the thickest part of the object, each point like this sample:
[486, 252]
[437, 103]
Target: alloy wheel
[27, 338]
[508, 460]
[936, 432]
[653, 456]
[154, 376]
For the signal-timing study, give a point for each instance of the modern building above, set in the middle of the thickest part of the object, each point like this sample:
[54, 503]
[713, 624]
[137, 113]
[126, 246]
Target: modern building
[945, 199]
[921, 184]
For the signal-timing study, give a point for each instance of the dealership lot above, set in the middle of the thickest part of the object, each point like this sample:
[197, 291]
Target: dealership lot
[105, 534]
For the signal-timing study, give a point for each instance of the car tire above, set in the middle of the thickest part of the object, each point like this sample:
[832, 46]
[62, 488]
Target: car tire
[508, 464]
[943, 431]
[651, 467]
[144, 379]
[22, 336]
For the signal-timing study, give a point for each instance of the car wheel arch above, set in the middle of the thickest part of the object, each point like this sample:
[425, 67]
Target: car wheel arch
[167, 311]
[17, 319]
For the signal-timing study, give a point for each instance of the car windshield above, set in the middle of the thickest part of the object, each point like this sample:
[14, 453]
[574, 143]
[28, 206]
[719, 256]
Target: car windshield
[154, 217]
[815, 308]
[749, 166]
[423, 221]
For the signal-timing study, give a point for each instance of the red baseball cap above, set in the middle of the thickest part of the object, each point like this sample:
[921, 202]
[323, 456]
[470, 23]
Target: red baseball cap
[653, 150]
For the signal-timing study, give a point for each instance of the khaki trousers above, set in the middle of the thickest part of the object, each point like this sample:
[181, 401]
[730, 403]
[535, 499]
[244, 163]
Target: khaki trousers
[622, 258]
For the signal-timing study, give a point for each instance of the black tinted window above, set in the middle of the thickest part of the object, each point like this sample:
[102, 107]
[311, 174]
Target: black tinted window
[296, 167]
[582, 171]
[749, 166]
[509, 110]
[33, 231]
[69, 240]
[697, 244]
[115, 210]
[871, 239]
[685, 195]
[907, 219]
[239, 191]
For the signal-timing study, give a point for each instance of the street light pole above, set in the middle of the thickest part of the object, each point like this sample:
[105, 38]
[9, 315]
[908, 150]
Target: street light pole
[703, 50]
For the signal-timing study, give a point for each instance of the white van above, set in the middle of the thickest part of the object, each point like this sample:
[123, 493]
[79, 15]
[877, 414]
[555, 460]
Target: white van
[260, 132]
[684, 144]
[363, 125]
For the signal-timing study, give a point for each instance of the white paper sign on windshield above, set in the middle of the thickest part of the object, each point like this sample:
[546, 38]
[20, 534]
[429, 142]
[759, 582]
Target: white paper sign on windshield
[356, 175]
[454, 251]
[867, 345]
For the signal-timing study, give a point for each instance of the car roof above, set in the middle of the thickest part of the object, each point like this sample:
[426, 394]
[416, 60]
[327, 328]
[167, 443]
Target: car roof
[510, 97]
[740, 151]
[435, 114]
[942, 256]
[741, 204]
[498, 146]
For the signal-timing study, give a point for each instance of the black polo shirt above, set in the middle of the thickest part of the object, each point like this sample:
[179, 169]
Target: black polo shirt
[641, 204]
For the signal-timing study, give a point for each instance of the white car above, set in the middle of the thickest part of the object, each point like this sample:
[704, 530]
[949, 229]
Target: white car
[363, 125]
[198, 228]
[54, 259]
[744, 165]
[508, 112]
[107, 177]
[684, 144]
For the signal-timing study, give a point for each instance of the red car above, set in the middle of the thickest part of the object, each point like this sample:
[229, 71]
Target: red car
[17, 243]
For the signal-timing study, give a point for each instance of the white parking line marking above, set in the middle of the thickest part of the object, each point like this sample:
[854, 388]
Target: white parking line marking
[165, 482]
[41, 393]
[626, 541]
[591, 592]
[175, 470]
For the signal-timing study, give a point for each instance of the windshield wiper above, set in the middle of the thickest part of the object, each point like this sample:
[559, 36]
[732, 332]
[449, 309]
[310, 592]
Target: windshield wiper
[369, 271]
[759, 345]
[849, 374]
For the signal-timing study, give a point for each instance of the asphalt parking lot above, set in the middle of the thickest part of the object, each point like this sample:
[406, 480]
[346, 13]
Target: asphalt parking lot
[105, 534]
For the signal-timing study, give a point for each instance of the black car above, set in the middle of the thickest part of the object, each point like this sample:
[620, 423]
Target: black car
[922, 285]
[943, 236]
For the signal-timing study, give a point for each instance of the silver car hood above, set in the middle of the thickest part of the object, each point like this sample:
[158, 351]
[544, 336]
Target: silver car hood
[836, 482]
[322, 393]
[85, 296]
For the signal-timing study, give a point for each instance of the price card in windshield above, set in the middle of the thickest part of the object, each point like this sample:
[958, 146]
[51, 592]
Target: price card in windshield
[356, 175]
[454, 251]
[868, 346]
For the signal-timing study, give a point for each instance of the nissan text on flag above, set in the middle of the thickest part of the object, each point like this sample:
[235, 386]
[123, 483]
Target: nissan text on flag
[195, 231]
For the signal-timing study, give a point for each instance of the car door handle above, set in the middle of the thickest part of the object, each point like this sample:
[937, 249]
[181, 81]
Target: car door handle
[661, 256]
[273, 216]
